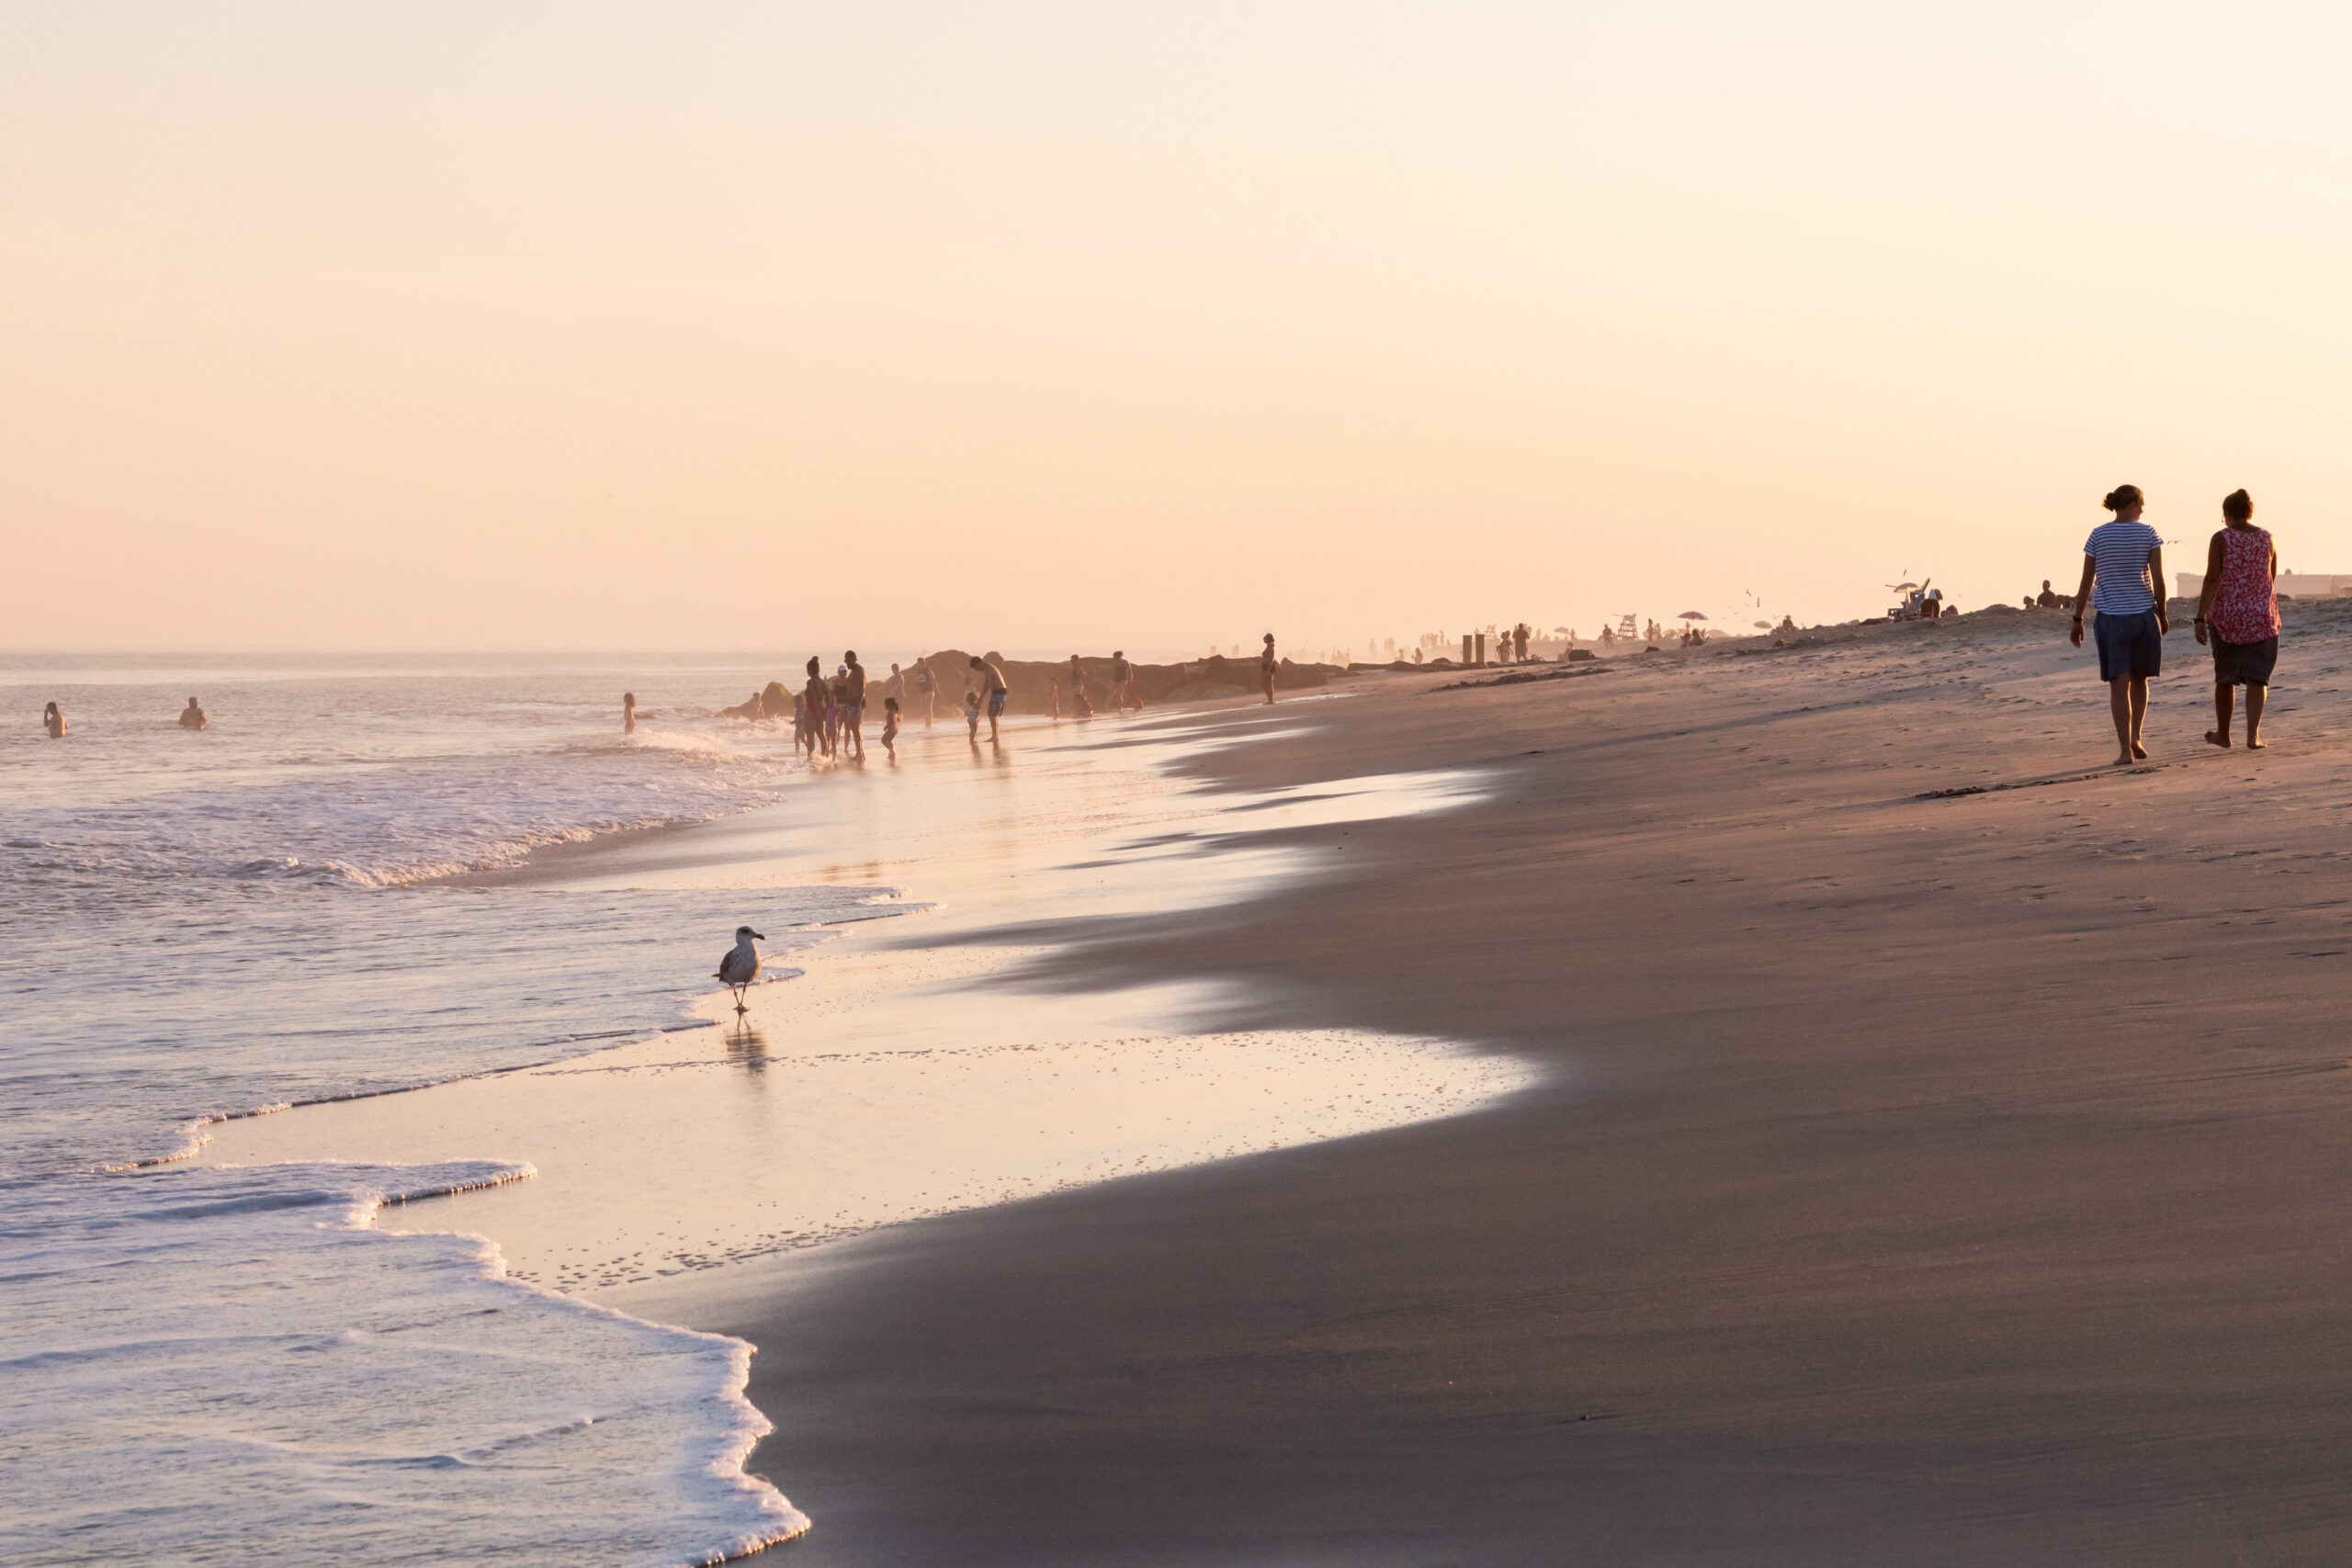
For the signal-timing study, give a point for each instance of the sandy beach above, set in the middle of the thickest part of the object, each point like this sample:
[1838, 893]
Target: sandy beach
[1910, 1176]
[1924, 1179]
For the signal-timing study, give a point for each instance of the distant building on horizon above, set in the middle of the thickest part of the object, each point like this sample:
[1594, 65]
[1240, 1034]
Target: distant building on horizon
[2291, 584]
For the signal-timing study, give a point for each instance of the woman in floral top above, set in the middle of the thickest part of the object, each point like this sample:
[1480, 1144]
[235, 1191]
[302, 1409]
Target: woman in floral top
[2239, 609]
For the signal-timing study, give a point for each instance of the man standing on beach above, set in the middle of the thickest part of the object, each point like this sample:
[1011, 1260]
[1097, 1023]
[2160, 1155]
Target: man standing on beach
[815, 701]
[1266, 666]
[993, 691]
[2125, 560]
[1122, 675]
[854, 704]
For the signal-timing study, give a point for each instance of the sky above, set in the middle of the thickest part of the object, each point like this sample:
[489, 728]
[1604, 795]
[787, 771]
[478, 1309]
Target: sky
[1044, 327]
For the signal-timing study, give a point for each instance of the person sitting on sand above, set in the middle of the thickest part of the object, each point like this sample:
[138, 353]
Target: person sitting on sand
[891, 727]
[1266, 666]
[2239, 608]
[993, 689]
[2045, 599]
[193, 717]
[1787, 626]
[52, 718]
[2123, 560]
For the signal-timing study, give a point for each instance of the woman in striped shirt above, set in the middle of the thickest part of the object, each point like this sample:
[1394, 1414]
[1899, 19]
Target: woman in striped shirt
[2124, 559]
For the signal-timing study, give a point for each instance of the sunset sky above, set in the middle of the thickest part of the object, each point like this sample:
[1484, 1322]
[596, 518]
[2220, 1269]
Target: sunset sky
[1055, 326]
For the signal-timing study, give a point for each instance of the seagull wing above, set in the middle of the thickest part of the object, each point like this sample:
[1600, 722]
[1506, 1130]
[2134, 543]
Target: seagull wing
[740, 968]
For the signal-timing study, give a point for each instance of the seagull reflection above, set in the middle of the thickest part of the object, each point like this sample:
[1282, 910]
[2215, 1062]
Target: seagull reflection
[746, 1044]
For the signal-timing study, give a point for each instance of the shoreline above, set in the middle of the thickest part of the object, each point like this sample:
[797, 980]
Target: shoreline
[654, 1127]
[1808, 1250]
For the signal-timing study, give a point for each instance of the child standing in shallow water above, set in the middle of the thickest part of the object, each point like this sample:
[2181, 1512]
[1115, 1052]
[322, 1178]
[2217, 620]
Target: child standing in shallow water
[891, 727]
[972, 709]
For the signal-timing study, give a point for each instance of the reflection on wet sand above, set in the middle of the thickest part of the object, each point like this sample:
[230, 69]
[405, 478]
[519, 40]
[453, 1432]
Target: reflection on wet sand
[928, 1069]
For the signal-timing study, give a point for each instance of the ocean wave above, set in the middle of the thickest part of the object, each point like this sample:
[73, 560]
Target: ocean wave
[395, 824]
[408, 1377]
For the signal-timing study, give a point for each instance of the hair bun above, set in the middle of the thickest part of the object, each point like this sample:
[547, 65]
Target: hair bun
[2121, 497]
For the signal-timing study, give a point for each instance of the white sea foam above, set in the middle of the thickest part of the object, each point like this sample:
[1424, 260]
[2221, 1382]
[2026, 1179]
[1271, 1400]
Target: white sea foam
[233, 1365]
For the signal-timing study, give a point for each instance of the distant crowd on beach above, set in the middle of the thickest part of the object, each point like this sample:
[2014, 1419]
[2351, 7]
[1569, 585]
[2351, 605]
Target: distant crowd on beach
[828, 714]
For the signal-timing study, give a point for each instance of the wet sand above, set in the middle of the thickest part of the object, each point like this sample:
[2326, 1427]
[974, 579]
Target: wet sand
[1919, 1181]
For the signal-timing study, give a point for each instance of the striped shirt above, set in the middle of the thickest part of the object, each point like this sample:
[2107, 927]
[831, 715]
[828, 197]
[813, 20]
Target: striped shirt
[2119, 550]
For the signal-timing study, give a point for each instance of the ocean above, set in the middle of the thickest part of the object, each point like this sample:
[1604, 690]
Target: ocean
[212, 1364]
[215, 1352]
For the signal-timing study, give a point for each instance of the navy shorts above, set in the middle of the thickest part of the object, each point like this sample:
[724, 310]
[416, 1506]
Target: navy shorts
[2129, 645]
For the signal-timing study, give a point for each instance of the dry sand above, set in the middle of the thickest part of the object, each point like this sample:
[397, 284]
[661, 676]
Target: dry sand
[1922, 1180]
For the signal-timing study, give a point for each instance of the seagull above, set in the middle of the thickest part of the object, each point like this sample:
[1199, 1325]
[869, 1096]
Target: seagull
[742, 964]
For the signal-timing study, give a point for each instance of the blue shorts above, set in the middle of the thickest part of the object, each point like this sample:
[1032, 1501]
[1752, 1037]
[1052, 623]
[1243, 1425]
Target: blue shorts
[996, 703]
[2129, 645]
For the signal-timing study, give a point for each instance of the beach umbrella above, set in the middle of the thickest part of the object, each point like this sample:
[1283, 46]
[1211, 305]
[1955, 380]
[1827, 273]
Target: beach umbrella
[1691, 616]
[1763, 625]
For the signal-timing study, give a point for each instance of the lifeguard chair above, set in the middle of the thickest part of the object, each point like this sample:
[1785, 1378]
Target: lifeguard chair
[1627, 627]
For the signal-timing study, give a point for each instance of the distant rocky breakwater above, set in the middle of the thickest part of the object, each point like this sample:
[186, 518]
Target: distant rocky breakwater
[1030, 683]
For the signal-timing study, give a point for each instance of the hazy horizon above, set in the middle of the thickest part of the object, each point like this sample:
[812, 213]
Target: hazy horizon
[1063, 326]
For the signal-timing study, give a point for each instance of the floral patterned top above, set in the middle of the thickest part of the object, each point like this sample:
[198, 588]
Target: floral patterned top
[2245, 605]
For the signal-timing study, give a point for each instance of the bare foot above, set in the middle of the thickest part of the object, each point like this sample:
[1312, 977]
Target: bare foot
[2215, 737]
[2252, 745]
[2138, 751]
[2125, 760]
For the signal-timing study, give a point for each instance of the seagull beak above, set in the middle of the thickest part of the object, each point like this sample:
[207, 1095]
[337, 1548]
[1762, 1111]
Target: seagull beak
[761, 935]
